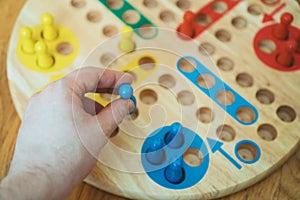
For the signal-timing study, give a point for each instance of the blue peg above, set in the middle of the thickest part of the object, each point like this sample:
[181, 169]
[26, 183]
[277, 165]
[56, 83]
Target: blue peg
[174, 173]
[156, 153]
[174, 137]
[125, 91]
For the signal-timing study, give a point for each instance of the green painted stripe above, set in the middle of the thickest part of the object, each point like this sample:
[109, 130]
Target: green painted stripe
[143, 21]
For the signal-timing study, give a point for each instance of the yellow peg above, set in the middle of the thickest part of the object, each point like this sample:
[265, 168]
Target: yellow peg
[49, 30]
[47, 19]
[44, 59]
[27, 43]
[126, 44]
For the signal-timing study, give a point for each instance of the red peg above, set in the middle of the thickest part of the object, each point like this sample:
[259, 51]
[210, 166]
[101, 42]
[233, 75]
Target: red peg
[189, 16]
[298, 41]
[285, 58]
[281, 30]
[186, 28]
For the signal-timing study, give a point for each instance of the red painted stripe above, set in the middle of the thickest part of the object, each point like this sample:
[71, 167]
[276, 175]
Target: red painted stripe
[213, 15]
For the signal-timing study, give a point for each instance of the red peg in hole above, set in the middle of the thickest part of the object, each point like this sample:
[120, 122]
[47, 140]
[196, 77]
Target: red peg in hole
[281, 30]
[187, 28]
[286, 57]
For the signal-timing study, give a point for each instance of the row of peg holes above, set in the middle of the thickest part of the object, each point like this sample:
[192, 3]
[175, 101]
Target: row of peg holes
[94, 16]
[129, 16]
[133, 17]
[238, 22]
[225, 97]
[219, 7]
[264, 96]
[202, 19]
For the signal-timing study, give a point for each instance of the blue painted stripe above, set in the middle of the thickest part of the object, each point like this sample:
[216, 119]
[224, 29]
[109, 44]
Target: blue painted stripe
[232, 109]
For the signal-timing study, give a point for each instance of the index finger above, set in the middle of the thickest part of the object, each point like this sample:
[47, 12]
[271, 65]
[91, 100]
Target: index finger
[91, 79]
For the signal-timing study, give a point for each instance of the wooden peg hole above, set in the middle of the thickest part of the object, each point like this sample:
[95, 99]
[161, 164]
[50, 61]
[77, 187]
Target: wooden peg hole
[223, 35]
[225, 64]
[131, 17]
[239, 22]
[65, 48]
[286, 113]
[244, 80]
[267, 132]
[267, 46]
[265, 96]
[167, 16]
[226, 133]
[148, 96]
[115, 4]
[254, 9]
[78, 3]
[187, 65]
[247, 151]
[206, 81]
[183, 4]
[225, 97]
[110, 30]
[245, 114]
[193, 157]
[147, 31]
[185, 98]
[107, 59]
[219, 7]
[206, 49]
[203, 19]
[94, 16]
[167, 81]
[150, 3]
[205, 115]
[147, 63]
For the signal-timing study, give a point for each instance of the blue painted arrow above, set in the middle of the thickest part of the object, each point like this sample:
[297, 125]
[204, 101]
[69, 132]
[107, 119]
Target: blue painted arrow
[217, 146]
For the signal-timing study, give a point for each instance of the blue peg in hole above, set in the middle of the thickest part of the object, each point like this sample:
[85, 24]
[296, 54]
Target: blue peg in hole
[156, 153]
[174, 138]
[174, 173]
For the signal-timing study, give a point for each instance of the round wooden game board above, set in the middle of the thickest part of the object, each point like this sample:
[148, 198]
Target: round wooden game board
[165, 95]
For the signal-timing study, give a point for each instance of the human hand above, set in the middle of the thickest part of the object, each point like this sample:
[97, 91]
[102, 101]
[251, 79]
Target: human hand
[62, 133]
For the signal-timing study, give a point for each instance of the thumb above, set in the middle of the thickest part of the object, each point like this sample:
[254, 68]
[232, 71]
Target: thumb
[112, 115]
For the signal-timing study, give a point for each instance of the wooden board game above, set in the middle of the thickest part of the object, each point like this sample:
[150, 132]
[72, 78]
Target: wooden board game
[239, 120]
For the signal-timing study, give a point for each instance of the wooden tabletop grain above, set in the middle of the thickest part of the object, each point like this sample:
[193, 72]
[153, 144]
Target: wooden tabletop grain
[283, 183]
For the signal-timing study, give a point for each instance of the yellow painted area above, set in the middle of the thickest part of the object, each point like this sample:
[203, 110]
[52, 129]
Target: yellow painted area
[132, 67]
[97, 97]
[65, 39]
[140, 73]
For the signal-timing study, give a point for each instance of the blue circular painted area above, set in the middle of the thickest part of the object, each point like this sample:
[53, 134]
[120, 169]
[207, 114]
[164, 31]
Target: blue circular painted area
[165, 173]
[252, 145]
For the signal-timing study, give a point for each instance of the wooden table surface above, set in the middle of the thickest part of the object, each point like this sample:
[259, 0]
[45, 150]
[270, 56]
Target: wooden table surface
[283, 183]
